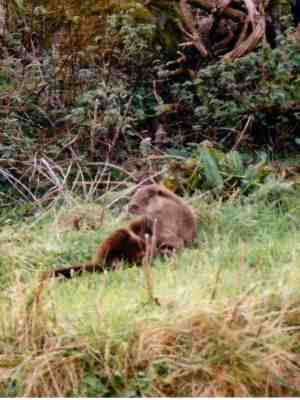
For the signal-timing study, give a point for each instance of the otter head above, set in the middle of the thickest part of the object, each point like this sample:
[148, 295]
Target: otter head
[142, 198]
[142, 227]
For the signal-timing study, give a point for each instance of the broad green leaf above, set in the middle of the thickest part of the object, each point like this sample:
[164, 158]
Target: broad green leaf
[211, 170]
[235, 163]
[250, 173]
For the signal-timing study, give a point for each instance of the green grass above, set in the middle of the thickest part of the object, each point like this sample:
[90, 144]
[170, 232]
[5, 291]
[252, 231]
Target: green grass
[227, 322]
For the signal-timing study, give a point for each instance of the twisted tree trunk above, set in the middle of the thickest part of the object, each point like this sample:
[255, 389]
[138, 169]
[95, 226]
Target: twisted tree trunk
[241, 28]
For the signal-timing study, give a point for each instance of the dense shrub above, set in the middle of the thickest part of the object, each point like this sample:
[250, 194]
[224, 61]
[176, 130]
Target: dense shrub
[111, 98]
[259, 92]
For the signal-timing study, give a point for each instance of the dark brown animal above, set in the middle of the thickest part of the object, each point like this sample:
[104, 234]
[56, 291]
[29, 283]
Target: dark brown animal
[126, 243]
[175, 221]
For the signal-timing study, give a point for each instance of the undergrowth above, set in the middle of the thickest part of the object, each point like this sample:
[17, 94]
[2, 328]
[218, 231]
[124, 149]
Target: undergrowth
[73, 106]
[225, 321]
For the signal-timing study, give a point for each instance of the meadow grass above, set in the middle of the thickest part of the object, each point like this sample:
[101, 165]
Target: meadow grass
[225, 320]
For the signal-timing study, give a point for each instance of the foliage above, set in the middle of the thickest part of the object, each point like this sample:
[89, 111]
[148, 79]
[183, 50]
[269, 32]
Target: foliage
[258, 94]
[230, 174]
[84, 103]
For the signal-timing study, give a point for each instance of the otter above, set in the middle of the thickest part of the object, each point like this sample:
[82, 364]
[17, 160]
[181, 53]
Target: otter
[126, 243]
[163, 216]
[176, 223]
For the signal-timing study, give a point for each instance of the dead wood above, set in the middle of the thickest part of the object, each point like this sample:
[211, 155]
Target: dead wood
[234, 29]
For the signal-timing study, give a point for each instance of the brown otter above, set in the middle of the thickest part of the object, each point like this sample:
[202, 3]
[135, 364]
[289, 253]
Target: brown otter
[175, 221]
[126, 243]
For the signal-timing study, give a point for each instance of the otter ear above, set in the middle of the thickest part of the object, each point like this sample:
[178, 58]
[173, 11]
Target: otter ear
[161, 192]
[150, 191]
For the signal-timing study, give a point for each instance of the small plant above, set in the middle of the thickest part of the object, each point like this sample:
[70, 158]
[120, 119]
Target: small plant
[228, 174]
[134, 38]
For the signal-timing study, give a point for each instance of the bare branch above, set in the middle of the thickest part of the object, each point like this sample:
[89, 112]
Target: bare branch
[189, 22]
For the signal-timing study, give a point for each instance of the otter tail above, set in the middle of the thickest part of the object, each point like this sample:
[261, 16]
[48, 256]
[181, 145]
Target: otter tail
[75, 270]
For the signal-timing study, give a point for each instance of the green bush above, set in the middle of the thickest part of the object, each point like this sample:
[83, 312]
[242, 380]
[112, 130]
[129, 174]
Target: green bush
[262, 87]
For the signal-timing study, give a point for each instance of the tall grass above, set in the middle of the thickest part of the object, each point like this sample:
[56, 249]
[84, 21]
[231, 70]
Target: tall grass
[226, 320]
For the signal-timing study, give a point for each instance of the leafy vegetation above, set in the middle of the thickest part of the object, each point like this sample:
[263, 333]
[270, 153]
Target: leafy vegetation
[91, 98]
[260, 89]
[228, 174]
